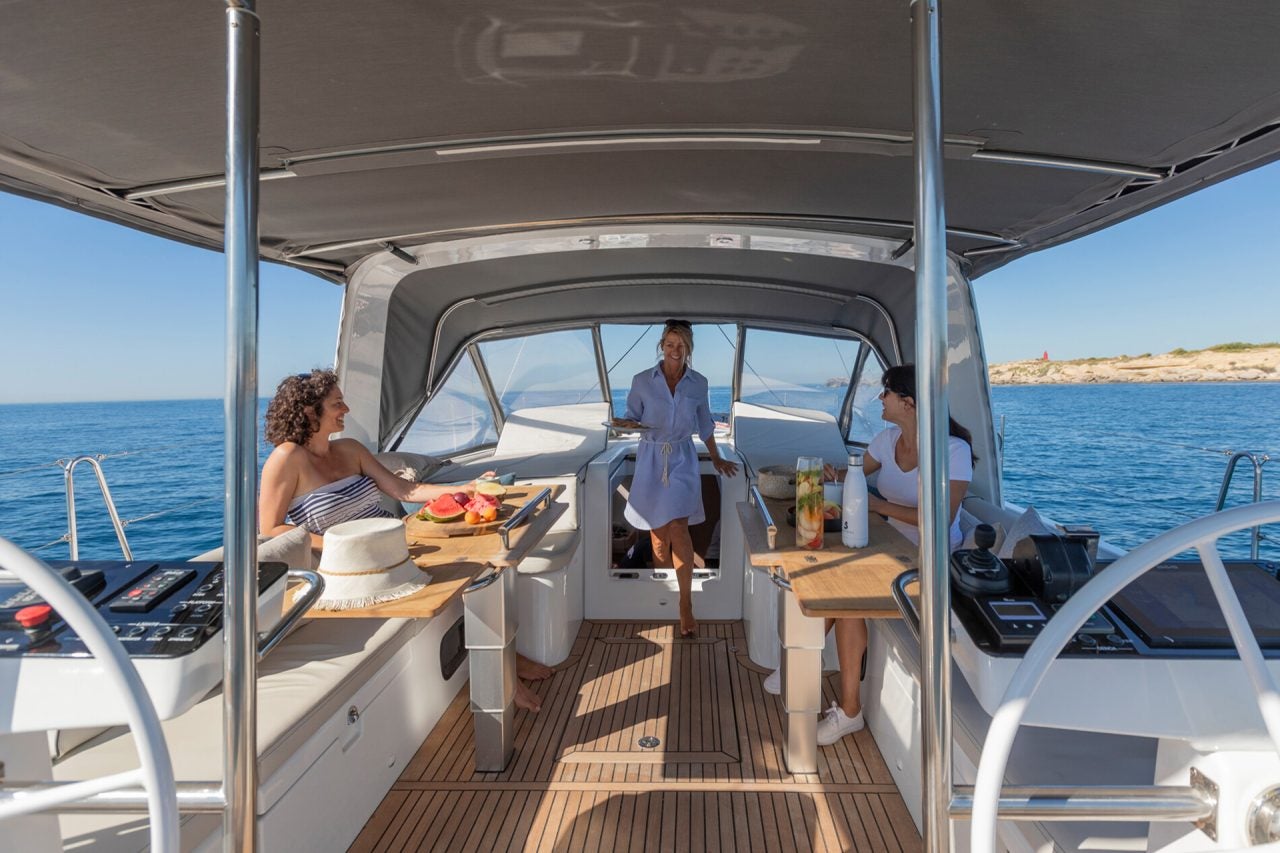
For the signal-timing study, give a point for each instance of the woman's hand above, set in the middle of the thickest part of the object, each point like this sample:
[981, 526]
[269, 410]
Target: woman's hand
[832, 474]
[724, 467]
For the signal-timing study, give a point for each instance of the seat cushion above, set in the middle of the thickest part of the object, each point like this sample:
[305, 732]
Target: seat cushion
[778, 435]
[301, 684]
[293, 548]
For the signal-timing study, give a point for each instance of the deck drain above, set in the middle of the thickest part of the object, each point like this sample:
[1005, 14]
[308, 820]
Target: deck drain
[648, 742]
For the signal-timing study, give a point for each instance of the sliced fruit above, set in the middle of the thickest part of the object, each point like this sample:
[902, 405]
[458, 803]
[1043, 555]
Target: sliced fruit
[490, 488]
[442, 509]
[481, 502]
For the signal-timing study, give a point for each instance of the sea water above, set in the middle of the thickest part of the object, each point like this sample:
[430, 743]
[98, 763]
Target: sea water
[1133, 460]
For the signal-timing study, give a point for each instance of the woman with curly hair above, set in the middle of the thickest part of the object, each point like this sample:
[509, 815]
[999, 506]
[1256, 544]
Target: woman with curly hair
[313, 481]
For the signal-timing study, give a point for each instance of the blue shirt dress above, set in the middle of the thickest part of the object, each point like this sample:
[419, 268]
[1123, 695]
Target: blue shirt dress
[667, 483]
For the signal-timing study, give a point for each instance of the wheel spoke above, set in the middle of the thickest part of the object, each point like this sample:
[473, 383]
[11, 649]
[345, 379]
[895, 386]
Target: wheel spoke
[1264, 686]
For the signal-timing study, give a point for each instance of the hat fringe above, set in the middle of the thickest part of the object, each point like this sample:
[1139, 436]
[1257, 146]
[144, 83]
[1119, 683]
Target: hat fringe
[369, 600]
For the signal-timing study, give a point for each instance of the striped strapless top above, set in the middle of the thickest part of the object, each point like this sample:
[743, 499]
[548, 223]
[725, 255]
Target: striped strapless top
[351, 497]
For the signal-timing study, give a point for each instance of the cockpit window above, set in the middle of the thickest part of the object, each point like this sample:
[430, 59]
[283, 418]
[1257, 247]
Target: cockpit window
[798, 371]
[865, 420]
[631, 348]
[547, 369]
[457, 418]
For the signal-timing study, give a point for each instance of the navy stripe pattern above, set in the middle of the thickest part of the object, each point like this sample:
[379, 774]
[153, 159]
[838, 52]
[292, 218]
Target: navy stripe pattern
[326, 506]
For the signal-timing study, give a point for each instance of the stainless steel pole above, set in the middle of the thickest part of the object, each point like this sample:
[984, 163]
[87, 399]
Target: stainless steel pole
[932, 413]
[240, 648]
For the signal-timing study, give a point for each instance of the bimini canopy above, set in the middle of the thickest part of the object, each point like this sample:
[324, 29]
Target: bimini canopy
[409, 122]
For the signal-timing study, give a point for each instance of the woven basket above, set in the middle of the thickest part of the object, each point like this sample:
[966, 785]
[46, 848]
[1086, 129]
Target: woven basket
[777, 482]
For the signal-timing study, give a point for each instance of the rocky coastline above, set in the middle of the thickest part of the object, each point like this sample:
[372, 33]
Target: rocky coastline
[1235, 362]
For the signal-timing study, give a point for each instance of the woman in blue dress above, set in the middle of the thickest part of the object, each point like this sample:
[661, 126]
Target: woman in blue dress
[670, 401]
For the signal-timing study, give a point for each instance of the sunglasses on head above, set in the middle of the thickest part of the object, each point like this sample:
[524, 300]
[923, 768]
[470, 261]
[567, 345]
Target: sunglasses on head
[679, 324]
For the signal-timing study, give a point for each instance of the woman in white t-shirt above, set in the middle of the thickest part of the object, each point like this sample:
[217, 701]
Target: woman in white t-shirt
[895, 454]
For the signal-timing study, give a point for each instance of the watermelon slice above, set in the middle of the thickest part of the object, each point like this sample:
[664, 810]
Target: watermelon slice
[442, 509]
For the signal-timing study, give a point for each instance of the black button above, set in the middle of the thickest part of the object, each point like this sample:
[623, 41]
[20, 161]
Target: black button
[162, 631]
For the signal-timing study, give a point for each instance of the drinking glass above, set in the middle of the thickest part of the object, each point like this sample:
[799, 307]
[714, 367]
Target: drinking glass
[809, 502]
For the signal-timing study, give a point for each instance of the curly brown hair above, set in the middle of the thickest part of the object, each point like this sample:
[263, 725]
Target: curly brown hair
[294, 412]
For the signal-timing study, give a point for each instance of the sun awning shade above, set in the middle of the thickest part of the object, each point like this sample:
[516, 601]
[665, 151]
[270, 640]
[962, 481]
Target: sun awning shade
[408, 121]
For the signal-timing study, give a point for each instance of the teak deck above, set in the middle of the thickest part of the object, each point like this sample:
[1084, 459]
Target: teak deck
[580, 781]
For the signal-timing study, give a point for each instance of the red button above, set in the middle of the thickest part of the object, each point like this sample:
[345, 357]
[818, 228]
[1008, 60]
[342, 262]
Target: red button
[134, 593]
[33, 616]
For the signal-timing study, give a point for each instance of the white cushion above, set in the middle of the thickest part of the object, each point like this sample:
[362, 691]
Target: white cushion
[301, 684]
[571, 429]
[778, 435]
[293, 547]
[415, 467]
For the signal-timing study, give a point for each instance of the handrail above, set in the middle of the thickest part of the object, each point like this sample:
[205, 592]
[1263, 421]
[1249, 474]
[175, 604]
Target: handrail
[770, 529]
[1092, 802]
[268, 640]
[906, 606]
[484, 580]
[504, 532]
[1258, 459]
[68, 476]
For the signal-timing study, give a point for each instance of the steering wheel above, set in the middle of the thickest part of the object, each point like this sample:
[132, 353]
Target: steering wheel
[156, 773]
[1203, 535]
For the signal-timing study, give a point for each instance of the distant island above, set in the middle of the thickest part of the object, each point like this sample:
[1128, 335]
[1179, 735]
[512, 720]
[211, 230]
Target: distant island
[1231, 362]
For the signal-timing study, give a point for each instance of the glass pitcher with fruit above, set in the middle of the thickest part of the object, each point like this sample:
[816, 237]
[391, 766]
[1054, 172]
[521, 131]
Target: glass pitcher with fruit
[809, 502]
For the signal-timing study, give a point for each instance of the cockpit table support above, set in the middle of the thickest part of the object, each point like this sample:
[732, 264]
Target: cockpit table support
[813, 585]
[481, 569]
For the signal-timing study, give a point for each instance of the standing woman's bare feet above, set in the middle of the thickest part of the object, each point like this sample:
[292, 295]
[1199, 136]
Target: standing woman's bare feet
[531, 670]
[526, 698]
[688, 625]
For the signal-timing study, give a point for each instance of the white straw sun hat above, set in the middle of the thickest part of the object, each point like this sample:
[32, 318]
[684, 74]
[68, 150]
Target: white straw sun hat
[366, 562]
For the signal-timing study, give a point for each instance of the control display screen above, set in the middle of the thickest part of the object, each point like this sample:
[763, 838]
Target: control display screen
[1173, 605]
[1013, 610]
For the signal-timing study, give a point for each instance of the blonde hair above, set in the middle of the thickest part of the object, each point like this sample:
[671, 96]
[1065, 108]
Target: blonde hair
[682, 330]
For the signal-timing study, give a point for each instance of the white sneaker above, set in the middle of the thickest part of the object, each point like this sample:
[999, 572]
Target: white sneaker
[773, 683]
[835, 725]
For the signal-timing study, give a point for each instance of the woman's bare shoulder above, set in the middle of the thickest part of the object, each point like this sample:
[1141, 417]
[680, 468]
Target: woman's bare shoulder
[287, 450]
[348, 446]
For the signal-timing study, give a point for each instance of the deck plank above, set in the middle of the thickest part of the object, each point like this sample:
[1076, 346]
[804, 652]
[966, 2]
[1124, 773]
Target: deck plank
[717, 782]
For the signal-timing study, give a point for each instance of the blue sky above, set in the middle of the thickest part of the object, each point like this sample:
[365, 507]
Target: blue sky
[94, 311]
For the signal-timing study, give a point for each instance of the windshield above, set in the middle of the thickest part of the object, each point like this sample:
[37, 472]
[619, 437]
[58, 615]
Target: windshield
[631, 348]
[547, 369]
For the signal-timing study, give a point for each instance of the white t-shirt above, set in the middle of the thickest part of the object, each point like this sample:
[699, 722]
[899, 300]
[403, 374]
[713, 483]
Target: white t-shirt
[903, 487]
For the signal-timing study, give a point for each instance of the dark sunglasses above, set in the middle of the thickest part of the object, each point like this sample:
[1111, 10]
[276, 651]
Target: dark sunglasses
[679, 324]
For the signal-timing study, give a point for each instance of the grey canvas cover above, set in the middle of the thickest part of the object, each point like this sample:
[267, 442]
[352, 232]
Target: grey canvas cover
[416, 121]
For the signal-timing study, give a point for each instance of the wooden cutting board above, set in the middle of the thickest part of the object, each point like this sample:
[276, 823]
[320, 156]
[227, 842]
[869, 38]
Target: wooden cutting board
[425, 529]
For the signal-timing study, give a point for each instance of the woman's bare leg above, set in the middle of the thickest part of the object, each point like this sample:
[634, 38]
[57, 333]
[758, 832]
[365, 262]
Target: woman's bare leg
[531, 670]
[851, 642]
[677, 533]
[526, 698]
[661, 547]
